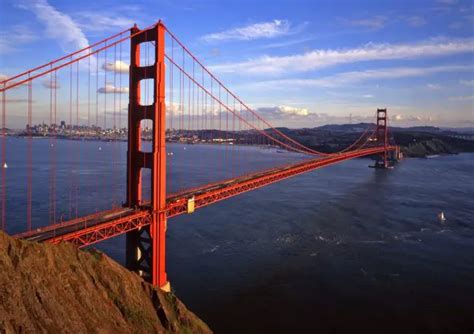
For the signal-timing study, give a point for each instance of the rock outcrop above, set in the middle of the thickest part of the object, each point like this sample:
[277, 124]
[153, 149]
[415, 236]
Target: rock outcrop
[60, 289]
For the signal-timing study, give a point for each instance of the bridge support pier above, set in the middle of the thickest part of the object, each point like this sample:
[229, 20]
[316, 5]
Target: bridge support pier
[146, 247]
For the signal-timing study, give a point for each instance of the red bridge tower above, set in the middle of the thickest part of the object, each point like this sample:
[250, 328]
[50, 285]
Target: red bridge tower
[145, 248]
[381, 134]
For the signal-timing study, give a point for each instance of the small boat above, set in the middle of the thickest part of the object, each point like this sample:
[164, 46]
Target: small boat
[441, 217]
[5, 165]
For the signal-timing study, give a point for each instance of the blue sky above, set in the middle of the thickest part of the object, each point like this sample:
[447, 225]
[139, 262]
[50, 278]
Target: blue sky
[302, 63]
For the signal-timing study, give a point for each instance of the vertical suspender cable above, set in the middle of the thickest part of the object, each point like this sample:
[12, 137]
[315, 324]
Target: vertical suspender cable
[51, 147]
[4, 161]
[55, 143]
[70, 142]
[79, 148]
[29, 195]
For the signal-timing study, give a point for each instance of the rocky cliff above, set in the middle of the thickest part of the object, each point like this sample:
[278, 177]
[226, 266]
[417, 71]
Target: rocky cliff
[61, 289]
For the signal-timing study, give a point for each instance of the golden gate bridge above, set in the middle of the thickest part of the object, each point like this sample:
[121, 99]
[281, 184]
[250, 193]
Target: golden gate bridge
[171, 94]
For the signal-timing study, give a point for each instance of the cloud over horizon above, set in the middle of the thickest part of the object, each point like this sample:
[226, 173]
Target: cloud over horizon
[97, 22]
[348, 78]
[297, 63]
[316, 59]
[270, 29]
[118, 66]
[49, 84]
[111, 89]
[283, 111]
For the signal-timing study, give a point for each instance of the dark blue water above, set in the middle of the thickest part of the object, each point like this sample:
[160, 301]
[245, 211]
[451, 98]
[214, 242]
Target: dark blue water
[341, 249]
[90, 176]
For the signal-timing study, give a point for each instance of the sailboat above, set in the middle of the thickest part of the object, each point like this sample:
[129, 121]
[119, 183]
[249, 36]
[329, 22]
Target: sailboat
[5, 165]
[441, 217]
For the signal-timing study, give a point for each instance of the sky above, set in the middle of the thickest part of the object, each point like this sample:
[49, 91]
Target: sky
[300, 63]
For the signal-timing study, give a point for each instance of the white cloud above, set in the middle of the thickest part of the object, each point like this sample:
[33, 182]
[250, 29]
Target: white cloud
[294, 111]
[346, 78]
[283, 111]
[117, 66]
[51, 84]
[411, 118]
[14, 36]
[461, 98]
[59, 26]
[375, 23]
[274, 65]
[433, 86]
[287, 43]
[339, 112]
[111, 89]
[368, 96]
[463, 21]
[467, 82]
[415, 21]
[174, 108]
[270, 29]
[22, 34]
[302, 117]
[93, 21]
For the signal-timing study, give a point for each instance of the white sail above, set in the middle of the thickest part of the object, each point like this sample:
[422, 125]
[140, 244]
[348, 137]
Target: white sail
[441, 216]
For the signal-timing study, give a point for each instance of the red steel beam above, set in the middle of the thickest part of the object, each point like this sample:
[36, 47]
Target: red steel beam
[210, 196]
[80, 221]
[104, 231]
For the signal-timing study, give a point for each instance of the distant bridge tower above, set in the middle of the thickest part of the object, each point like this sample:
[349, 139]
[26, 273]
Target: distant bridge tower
[381, 133]
[145, 248]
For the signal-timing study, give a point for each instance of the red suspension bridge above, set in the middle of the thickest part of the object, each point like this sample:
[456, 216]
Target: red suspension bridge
[173, 99]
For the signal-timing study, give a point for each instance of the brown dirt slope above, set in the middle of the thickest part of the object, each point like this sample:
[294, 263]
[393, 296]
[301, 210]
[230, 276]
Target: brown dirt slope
[60, 289]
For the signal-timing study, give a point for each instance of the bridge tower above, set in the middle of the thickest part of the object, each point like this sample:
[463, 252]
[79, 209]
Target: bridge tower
[381, 134]
[145, 248]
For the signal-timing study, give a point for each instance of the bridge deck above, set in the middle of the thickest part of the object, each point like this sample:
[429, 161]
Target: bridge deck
[104, 225]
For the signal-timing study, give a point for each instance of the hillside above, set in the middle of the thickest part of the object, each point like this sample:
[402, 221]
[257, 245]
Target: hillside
[60, 289]
[414, 142]
[421, 144]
